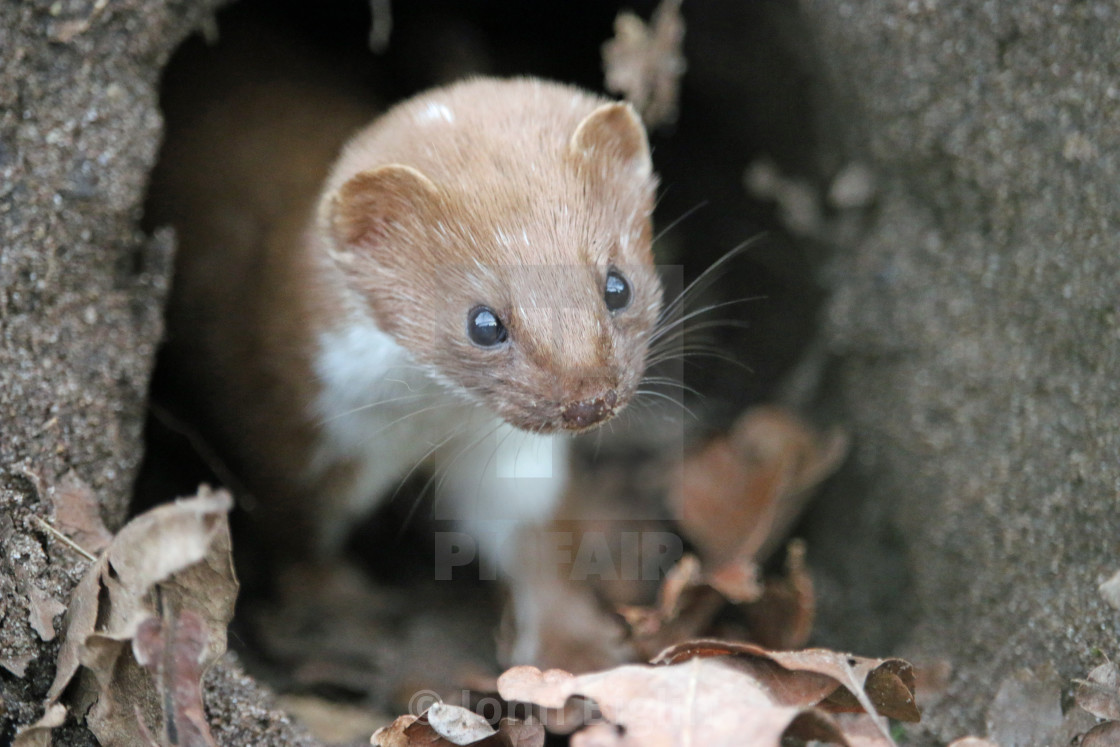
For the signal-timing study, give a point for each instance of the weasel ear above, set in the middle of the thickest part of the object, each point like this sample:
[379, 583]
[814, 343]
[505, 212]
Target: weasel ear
[613, 131]
[376, 204]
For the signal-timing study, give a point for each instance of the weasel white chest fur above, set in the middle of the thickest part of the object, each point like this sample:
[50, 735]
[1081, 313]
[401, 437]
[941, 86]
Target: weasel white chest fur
[386, 415]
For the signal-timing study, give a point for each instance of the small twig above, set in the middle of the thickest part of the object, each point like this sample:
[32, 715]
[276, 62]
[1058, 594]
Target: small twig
[1095, 686]
[199, 445]
[66, 33]
[65, 540]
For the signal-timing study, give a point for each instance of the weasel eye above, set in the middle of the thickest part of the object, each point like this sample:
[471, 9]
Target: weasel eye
[484, 328]
[617, 291]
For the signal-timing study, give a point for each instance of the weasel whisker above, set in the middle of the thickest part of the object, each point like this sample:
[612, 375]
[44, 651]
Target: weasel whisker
[704, 280]
[666, 397]
[679, 219]
[678, 323]
[374, 404]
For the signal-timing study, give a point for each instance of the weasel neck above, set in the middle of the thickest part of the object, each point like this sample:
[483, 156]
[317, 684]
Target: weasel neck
[372, 394]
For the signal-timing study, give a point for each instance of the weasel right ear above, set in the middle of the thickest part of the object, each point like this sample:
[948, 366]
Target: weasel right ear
[378, 204]
[613, 132]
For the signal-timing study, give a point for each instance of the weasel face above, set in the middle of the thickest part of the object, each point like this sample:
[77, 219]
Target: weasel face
[514, 265]
[553, 347]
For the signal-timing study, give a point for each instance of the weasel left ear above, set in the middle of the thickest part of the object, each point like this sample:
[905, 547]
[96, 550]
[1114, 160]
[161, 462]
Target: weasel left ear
[374, 206]
[613, 131]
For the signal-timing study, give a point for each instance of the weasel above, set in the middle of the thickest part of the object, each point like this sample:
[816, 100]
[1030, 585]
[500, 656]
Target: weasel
[471, 283]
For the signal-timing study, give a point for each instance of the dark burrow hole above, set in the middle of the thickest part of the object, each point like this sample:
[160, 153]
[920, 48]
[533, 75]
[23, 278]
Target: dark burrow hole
[751, 92]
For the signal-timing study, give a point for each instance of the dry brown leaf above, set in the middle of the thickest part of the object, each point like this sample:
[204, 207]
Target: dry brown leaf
[782, 618]
[779, 613]
[1099, 694]
[520, 733]
[686, 606]
[38, 734]
[179, 553]
[644, 63]
[701, 701]
[884, 686]
[184, 547]
[42, 609]
[1102, 735]
[737, 497]
[738, 581]
[78, 625]
[682, 577]
[173, 648]
[17, 665]
[77, 514]
[972, 742]
[397, 733]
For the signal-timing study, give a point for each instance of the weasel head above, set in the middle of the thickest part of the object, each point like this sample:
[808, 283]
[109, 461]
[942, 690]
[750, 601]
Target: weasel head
[510, 253]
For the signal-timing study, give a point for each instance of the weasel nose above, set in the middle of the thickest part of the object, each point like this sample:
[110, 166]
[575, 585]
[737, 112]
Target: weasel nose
[588, 412]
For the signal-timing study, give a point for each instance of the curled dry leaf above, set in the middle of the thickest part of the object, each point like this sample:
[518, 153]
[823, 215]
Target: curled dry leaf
[686, 606]
[77, 514]
[738, 581]
[645, 63]
[514, 732]
[683, 577]
[445, 725]
[178, 553]
[405, 731]
[779, 613]
[852, 683]
[738, 496]
[700, 701]
[1102, 735]
[782, 617]
[173, 649]
[1099, 694]
[735, 498]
